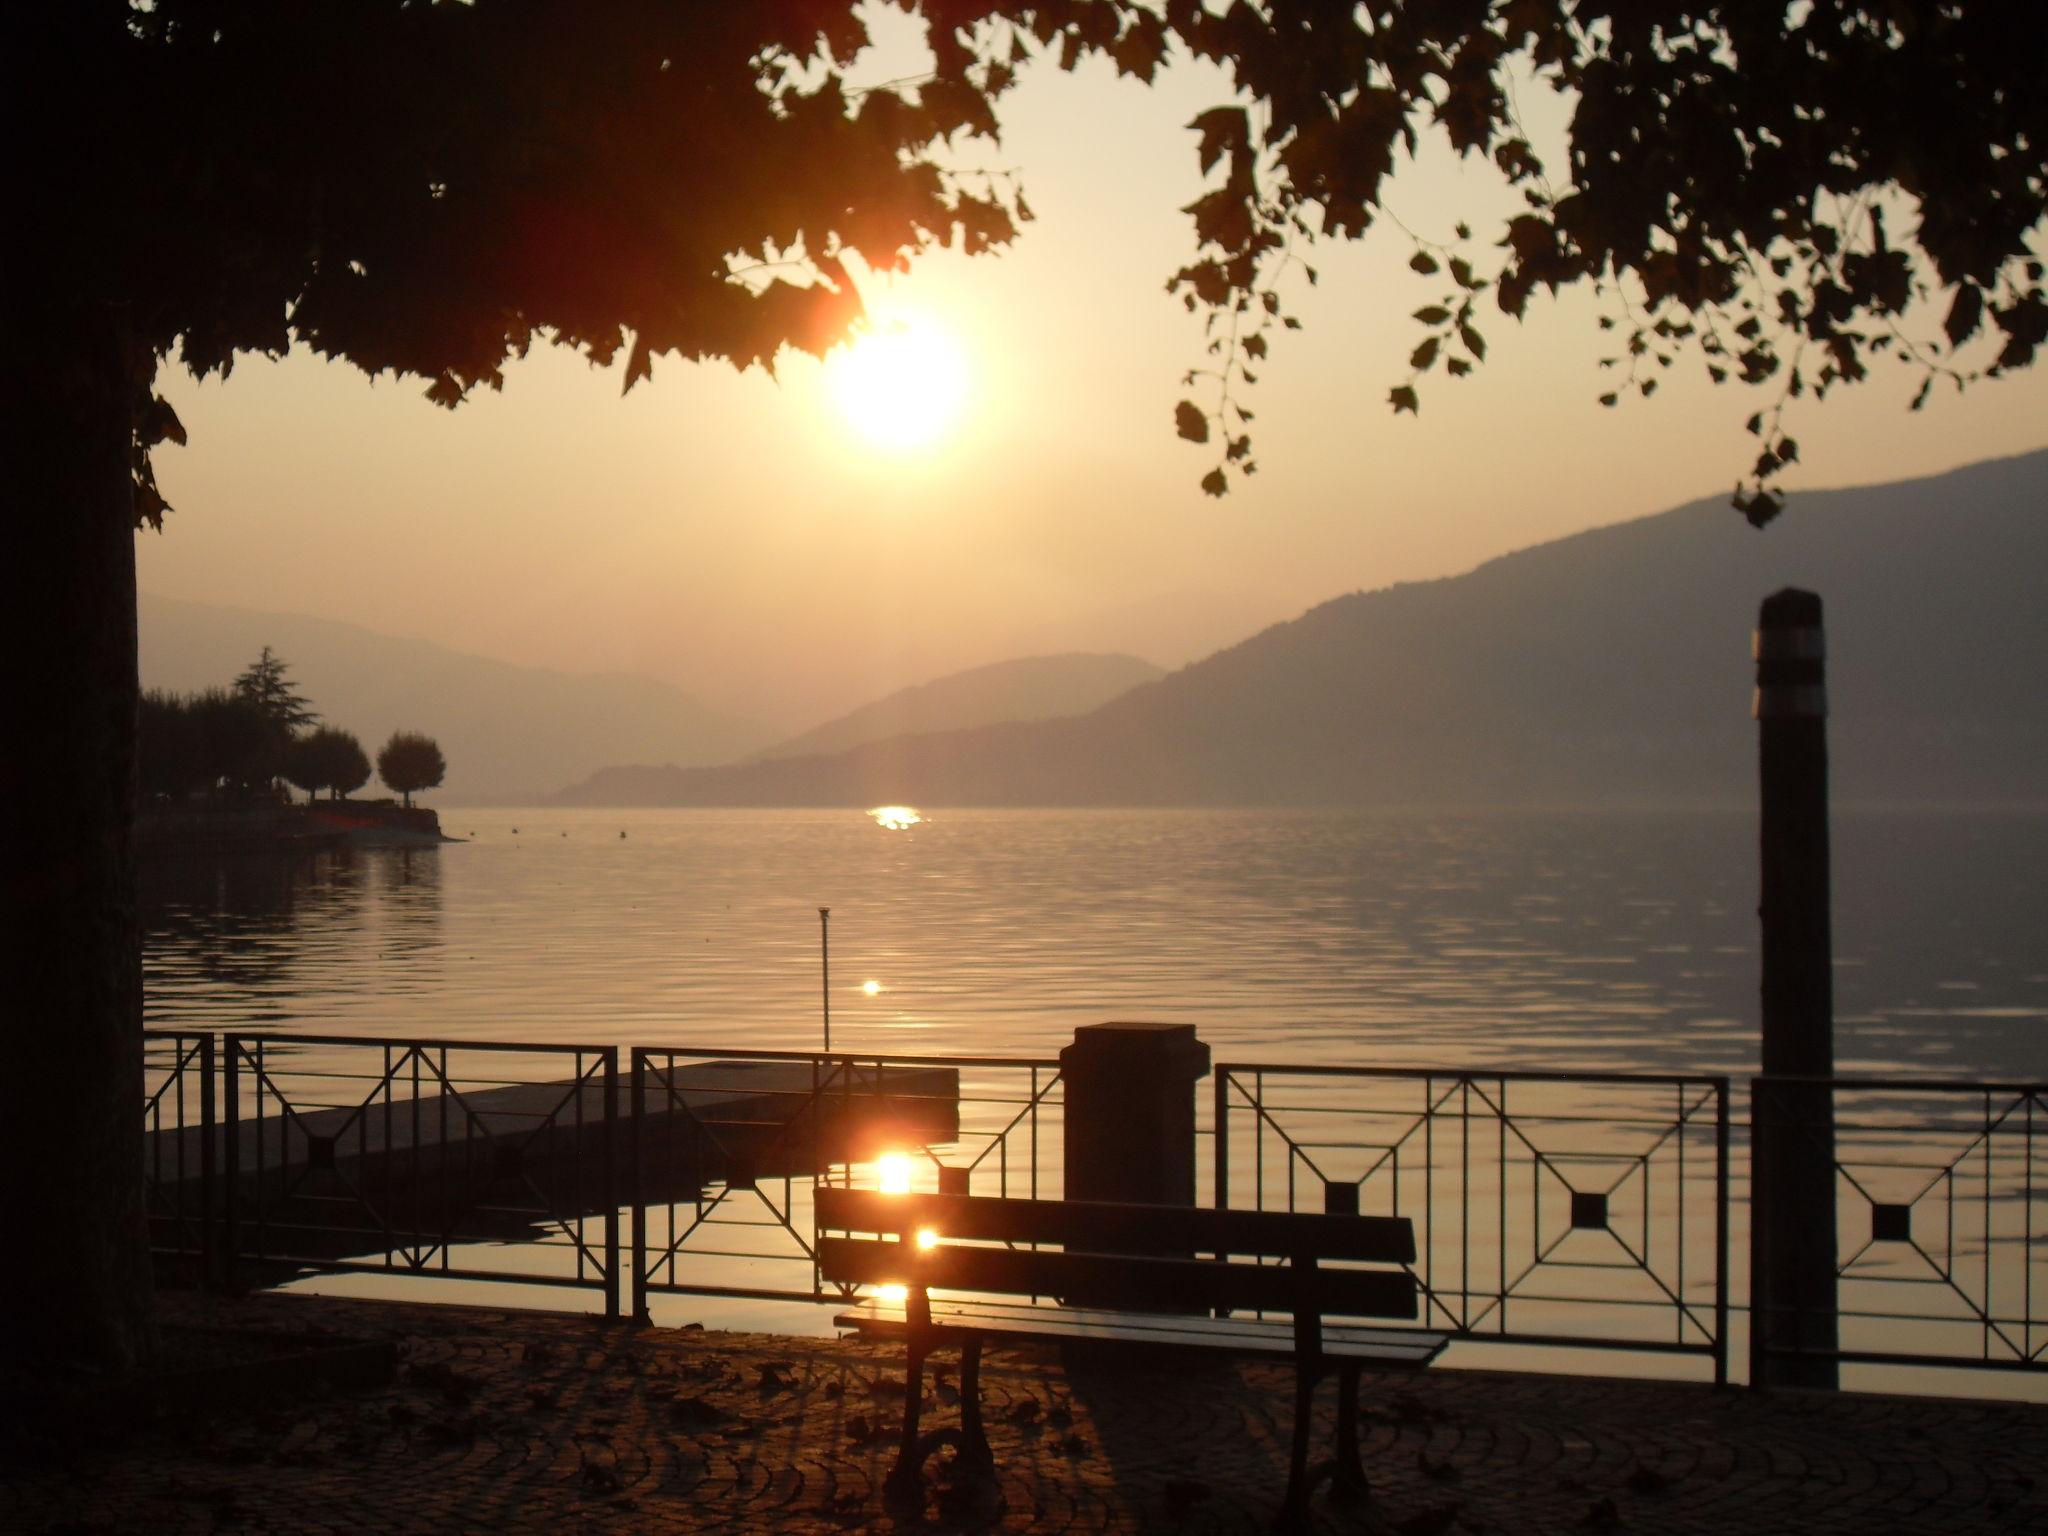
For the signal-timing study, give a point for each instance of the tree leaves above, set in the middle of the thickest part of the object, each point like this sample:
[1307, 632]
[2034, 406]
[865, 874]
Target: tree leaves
[440, 185]
[1223, 130]
[1403, 398]
[1190, 423]
[1687, 195]
[159, 424]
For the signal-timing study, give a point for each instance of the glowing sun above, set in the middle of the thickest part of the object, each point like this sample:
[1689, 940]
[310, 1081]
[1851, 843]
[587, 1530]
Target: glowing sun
[902, 383]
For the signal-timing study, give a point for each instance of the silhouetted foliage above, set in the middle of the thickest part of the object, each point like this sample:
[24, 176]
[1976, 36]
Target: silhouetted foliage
[410, 761]
[237, 742]
[327, 759]
[266, 688]
[169, 752]
[348, 770]
[1765, 187]
[265, 684]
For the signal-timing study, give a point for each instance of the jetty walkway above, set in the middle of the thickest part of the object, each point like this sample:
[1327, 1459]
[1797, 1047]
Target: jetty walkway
[516, 1422]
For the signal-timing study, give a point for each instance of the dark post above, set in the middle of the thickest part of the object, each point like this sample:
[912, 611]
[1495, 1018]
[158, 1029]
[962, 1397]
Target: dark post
[1130, 1112]
[1792, 1177]
[825, 971]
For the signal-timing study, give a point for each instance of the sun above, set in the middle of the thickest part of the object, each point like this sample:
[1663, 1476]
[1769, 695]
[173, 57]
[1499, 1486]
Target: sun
[902, 383]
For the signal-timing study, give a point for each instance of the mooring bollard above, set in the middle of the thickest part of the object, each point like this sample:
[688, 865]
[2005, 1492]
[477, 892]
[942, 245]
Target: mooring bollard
[1792, 1175]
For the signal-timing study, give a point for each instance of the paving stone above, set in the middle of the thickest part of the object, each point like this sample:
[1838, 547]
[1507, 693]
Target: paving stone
[510, 1423]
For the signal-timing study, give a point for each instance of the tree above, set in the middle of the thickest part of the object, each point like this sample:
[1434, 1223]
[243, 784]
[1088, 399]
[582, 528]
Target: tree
[410, 761]
[237, 742]
[265, 688]
[429, 189]
[265, 684]
[1768, 188]
[347, 769]
[327, 759]
[169, 753]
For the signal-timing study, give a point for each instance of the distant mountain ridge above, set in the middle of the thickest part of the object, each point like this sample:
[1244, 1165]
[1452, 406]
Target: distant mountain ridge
[510, 733]
[1608, 667]
[1030, 688]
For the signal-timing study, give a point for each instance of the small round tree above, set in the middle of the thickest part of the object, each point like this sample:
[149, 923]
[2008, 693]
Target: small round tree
[327, 759]
[410, 761]
[348, 770]
[305, 766]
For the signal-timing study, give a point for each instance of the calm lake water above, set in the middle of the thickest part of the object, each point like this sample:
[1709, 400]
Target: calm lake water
[1591, 941]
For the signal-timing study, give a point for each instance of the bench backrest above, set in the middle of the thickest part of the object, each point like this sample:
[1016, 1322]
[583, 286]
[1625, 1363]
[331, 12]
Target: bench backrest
[1117, 1255]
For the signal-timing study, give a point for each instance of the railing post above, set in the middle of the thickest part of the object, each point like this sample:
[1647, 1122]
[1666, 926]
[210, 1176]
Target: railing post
[1720, 1232]
[637, 1163]
[1758, 1324]
[611, 1185]
[207, 1130]
[231, 1192]
[1222, 1114]
[1792, 1169]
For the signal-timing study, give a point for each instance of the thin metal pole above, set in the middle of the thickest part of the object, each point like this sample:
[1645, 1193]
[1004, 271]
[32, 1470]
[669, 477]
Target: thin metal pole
[825, 969]
[209, 1131]
[610, 1171]
[1721, 1233]
[637, 1167]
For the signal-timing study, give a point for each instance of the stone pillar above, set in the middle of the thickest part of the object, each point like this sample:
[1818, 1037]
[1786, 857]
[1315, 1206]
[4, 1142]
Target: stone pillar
[1792, 1174]
[1130, 1112]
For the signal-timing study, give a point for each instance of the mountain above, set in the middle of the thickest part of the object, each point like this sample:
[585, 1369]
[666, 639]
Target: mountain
[509, 732]
[1034, 688]
[1609, 667]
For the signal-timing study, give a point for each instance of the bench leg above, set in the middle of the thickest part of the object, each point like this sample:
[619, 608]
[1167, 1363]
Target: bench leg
[975, 1456]
[1294, 1509]
[906, 1479]
[1348, 1473]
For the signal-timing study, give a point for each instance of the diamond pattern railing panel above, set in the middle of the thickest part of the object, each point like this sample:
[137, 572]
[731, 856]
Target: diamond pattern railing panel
[482, 1161]
[1941, 1217]
[1547, 1208]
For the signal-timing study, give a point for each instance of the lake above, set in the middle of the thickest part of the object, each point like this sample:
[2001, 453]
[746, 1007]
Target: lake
[1595, 941]
[1618, 942]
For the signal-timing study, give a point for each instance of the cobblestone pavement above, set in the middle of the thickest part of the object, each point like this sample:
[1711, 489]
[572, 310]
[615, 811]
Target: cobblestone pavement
[506, 1423]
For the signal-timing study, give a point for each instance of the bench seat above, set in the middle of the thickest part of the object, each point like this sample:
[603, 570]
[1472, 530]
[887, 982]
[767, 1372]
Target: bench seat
[1383, 1349]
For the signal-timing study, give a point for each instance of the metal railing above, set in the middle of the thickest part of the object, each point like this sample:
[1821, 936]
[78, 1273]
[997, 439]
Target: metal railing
[1580, 1210]
[178, 1171]
[475, 1160]
[1550, 1209]
[1941, 1221]
[729, 1145]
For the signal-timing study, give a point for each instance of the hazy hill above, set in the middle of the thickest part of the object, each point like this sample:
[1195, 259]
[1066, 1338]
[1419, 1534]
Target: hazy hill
[510, 733]
[1033, 688]
[1609, 667]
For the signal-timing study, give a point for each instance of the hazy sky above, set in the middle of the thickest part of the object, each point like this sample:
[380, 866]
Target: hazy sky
[737, 536]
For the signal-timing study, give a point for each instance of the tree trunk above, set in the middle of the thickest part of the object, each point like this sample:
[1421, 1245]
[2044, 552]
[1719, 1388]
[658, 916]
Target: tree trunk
[75, 1284]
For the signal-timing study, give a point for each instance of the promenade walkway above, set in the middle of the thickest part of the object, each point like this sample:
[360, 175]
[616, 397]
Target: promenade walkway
[509, 1423]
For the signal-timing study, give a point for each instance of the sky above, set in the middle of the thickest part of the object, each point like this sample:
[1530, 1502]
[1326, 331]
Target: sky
[742, 538]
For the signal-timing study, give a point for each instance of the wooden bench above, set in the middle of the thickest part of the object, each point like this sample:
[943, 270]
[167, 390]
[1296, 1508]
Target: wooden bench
[976, 1248]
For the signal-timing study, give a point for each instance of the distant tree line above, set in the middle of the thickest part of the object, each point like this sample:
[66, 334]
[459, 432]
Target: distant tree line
[243, 741]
